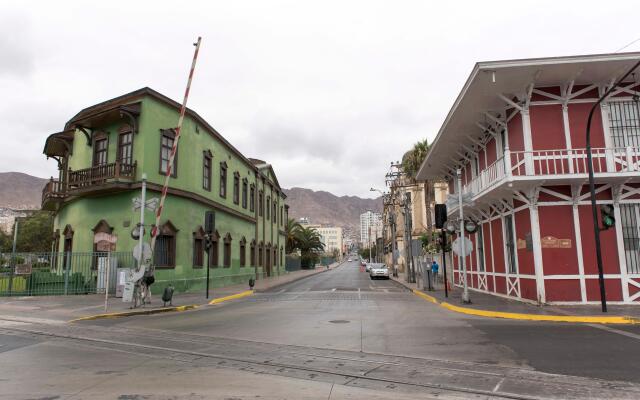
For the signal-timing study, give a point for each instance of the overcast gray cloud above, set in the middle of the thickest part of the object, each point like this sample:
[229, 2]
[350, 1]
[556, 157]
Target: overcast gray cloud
[329, 92]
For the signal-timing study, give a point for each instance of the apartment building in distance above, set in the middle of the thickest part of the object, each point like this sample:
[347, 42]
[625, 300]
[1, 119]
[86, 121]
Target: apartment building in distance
[370, 227]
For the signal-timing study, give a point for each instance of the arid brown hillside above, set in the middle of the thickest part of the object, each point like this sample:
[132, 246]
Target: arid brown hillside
[20, 191]
[326, 208]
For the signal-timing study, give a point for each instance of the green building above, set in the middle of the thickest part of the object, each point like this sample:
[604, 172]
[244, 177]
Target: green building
[102, 154]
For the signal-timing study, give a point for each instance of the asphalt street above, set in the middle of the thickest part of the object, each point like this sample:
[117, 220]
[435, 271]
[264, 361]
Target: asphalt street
[337, 334]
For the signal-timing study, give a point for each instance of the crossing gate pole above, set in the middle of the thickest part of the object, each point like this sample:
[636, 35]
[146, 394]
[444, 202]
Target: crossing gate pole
[172, 155]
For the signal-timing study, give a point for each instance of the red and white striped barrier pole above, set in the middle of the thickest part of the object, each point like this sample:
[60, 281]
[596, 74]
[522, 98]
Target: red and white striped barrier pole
[165, 187]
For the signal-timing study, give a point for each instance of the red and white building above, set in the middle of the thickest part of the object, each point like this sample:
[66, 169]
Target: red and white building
[517, 132]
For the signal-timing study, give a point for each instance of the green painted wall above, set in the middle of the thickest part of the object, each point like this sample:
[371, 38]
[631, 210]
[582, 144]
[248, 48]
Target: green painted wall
[83, 213]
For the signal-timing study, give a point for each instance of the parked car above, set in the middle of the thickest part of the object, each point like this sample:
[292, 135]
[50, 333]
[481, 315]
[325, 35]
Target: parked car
[378, 271]
[367, 266]
[349, 260]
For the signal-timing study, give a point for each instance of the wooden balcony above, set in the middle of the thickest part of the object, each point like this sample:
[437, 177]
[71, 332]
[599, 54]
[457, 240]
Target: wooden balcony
[100, 174]
[52, 194]
[55, 191]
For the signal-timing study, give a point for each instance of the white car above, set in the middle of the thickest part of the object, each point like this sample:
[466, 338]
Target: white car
[378, 271]
[349, 260]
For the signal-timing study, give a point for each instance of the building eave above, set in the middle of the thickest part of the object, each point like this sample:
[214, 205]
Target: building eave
[512, 75]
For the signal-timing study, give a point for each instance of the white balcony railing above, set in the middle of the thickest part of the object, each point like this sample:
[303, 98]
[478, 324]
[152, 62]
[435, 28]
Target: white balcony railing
[549, 163]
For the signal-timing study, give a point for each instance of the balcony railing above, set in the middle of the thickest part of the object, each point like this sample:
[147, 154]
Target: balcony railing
[555, 163]
[83, 178]
[52, 190]
[99, 174]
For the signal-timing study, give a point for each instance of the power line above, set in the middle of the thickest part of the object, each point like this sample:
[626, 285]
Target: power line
[624, 47]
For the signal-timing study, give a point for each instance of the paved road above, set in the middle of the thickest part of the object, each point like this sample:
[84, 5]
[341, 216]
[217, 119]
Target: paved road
[334, 335]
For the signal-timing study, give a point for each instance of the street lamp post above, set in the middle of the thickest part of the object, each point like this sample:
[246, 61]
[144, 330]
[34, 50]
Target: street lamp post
[461, 238]
[592, 189]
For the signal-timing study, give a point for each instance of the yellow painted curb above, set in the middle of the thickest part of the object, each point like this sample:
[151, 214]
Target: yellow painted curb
[136, 312]
[586, 319]
[232, 297]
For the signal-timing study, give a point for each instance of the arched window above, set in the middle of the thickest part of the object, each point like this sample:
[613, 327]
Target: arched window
[68, 246]
[252, 257]
[243, 252]
[213, 250]
[101, 242]
[198, 247]
[165, 251]
[227, 251]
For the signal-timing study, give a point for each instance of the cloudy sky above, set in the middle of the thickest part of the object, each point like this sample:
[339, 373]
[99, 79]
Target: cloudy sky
[328, 92]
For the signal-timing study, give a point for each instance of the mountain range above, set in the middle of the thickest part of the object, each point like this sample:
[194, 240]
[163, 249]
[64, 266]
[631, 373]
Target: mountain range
[19, 191]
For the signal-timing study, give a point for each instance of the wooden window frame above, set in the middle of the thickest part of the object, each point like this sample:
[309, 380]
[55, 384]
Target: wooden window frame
[214, 250]
[245, 185]
[252, 254]
[169, 134]
[243, 252]
[170, 231]
[236, 188]
[268, 208]
[125, 130]
[198, 247]
[100, 137]
[226, 253]
[207, 169]
[223, 180]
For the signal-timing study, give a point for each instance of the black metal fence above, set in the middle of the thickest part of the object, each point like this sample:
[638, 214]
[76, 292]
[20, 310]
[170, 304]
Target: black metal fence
[44, 274]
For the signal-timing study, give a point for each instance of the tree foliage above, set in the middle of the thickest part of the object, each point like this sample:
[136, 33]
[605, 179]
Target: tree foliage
[292, 230]
[34, 232]
[309, 242]
[411, 162]
[5, 242]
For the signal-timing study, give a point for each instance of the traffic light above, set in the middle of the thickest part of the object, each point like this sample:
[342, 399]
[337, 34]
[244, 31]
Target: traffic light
[606, 215]
[441, 215]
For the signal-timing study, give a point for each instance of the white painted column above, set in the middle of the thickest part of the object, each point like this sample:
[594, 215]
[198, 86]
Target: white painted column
[493, 264]
[578, 247]
[622, 259]
[528, 141]
[567, 135]
[537, 253]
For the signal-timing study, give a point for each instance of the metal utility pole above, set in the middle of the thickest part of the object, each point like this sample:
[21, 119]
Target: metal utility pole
[444, 262]
[13, 255]
[461, 238]
[592, 189]
[143, 199]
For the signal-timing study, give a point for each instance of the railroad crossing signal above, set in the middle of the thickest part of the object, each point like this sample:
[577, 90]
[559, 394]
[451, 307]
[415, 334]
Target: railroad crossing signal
[150, 204]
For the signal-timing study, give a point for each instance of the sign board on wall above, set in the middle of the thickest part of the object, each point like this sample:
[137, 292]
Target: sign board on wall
[551, 242]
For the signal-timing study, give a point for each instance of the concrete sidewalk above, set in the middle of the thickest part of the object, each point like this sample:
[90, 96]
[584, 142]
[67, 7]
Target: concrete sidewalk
[67, 308]
[483, 301]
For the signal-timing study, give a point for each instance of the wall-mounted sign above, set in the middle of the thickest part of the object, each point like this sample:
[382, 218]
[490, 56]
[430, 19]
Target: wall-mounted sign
[551, 242]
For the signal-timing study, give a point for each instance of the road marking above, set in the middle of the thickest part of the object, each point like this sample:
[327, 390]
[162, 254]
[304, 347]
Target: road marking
[232, 297]
[497, 387]
[333, 290]
[359, 297]
[614, 330]
[585, 319]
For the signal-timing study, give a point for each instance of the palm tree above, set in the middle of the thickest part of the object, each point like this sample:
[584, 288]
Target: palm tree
[292, 230]
[310, 244]
[411, 162]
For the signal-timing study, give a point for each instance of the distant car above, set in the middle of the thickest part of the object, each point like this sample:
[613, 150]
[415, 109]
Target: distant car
[363, 264]
[349, 260]
[378, 271]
